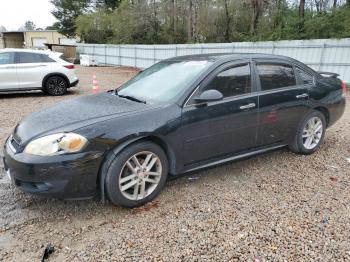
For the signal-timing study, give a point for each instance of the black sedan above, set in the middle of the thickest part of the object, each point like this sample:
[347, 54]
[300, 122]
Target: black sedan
[179, 115]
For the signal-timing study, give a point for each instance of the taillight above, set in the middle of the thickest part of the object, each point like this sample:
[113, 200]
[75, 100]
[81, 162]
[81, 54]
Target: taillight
[69, 66]
[343, 87]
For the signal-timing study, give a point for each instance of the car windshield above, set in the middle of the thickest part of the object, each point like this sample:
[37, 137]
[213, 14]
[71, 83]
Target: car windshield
[163, 81]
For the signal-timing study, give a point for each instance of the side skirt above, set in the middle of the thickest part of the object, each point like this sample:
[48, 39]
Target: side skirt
[235, 157]
[19, 89]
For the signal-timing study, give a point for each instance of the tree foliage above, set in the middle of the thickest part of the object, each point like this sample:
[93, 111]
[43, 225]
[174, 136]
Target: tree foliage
[2, 28]
[203, 21]
[66, 12]
[28, 26]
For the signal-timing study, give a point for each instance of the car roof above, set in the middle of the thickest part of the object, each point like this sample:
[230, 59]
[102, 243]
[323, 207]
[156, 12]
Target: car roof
[22, 50]
[46, 51]
[227, 56]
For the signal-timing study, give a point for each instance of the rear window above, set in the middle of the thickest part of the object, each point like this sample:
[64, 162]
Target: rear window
[273, 76]
[64, 59]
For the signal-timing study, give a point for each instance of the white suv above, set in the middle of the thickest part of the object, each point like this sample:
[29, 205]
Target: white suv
[23, 69]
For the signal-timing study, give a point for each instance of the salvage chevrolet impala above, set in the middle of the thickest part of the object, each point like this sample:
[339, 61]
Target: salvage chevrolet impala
[180, 115]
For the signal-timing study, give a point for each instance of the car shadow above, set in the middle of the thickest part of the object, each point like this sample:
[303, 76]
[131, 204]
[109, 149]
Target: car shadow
[33, 93]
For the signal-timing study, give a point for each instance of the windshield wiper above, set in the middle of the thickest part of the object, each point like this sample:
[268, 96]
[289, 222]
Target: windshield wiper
[129, 97]
[133, 99]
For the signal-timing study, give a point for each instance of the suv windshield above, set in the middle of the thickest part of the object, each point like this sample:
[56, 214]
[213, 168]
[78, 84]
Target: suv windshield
[163, 81]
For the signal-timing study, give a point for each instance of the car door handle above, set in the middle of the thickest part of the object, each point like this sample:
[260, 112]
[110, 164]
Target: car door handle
[302, 95]
[10, 67]
[251, 105]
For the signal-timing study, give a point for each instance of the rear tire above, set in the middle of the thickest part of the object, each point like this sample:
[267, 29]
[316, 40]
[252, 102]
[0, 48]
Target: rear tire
[310, 134]
[136, 175]
[55, 86]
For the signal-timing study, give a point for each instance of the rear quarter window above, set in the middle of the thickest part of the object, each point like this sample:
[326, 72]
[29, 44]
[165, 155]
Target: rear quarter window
[304, 77]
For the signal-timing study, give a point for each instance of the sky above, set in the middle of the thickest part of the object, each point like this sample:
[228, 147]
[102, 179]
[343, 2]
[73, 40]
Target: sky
[14, 13]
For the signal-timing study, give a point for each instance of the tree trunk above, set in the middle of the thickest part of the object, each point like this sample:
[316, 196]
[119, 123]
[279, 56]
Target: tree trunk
[190, 21]
[335, 4]
[174, 17]
[302, 8]
[255, 16]
[228, 22]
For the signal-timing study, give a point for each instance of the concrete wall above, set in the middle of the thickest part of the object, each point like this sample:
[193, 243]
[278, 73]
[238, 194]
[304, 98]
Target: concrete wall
[52, 37]
[26, 39]
[12, 40]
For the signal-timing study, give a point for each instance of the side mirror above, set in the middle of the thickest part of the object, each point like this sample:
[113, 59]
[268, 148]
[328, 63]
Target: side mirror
[209, 96]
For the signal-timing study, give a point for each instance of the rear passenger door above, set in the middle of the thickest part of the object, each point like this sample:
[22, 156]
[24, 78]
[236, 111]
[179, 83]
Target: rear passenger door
[283, 101]
[32, 68]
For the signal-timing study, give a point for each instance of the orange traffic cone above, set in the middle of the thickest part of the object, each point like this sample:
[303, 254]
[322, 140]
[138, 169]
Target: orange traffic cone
[94, 84]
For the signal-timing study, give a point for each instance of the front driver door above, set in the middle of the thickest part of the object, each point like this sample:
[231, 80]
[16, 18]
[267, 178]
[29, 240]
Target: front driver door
[8, 71]
[217, 129]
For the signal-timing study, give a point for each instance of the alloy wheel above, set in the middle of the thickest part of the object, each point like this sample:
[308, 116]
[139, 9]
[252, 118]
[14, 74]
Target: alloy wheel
[56, 85]
[140, 175]
[312, 133]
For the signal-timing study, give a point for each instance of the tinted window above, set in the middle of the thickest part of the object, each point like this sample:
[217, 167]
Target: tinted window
[305, 78]
[274, 76]
[6, 58]
[33, 58]
[47, 59]
[232, 81]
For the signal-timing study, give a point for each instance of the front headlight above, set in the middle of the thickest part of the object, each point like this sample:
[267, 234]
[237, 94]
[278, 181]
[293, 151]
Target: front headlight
[56, 144]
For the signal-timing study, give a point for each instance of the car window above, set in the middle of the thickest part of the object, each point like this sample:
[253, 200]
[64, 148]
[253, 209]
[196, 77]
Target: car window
[274, 76]
[232, 81]
[7, 58]
[47, 59]
[33, 58]
[305, 78]
[163, 81]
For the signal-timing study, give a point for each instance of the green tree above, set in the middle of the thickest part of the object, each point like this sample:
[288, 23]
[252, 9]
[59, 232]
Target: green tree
[28, 26]
[206, 21]
[66, 11]
[95, 27]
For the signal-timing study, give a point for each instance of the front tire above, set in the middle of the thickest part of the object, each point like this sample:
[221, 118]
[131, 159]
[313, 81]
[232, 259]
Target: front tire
[136, 175]
[55, 86]
[310, 134]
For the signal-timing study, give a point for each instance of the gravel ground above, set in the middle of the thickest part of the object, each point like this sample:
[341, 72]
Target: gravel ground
[273, 207]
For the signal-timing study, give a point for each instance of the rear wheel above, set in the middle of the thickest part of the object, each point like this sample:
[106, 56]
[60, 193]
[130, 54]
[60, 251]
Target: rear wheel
[310, 133]
[136, 175]
[55, 86]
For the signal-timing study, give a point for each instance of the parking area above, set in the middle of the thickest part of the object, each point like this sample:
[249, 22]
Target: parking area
[274, 207]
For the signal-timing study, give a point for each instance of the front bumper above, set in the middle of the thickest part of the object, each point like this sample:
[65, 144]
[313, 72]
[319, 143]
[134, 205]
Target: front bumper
[75, 83]
[72, 176]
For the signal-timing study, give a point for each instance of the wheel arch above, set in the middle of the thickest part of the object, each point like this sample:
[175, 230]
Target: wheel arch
[108, 158]
[55, 74]
[325, 112]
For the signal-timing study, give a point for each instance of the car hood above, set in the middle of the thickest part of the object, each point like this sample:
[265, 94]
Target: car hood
[76, 113]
